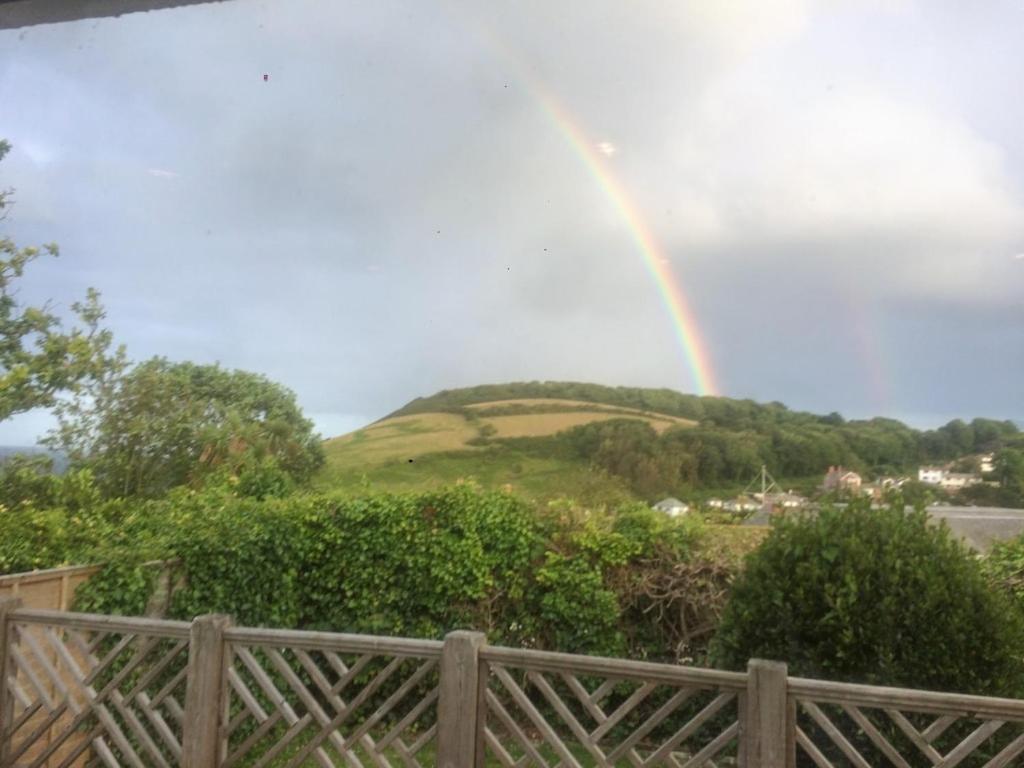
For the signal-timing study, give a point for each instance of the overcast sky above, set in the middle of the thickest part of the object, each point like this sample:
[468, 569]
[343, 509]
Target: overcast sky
[839, 187]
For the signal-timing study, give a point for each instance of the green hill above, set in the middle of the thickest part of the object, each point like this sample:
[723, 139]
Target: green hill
[593, 442]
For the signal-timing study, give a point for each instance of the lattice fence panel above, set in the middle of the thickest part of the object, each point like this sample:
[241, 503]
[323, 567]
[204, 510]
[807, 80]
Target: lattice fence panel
[95, 696]
[289, 706]
[857, 736]
[557, 718]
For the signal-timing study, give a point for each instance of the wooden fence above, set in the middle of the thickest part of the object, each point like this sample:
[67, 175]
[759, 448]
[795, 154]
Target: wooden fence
[85, 690]
[52, 589]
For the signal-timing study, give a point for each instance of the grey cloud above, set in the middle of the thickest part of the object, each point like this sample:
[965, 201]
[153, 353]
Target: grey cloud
[396, 210]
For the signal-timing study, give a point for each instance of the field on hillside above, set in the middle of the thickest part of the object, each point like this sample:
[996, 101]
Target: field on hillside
[403, 437]
[429, 450]
[511, 441]
[554, 404]
[493, 466]
[543, 424]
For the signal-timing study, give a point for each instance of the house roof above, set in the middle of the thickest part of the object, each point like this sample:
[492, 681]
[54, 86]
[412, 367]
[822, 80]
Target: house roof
[15, 14]
[670, 502]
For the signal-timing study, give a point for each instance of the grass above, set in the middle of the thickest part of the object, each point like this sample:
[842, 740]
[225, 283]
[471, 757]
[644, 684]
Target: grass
[427, 756]
[734, 542]
[493, 466]
[428, 450]
[400, 438]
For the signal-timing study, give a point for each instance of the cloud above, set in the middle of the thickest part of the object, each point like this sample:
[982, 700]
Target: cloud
[367, 227]
[39, 152]
[860, 179]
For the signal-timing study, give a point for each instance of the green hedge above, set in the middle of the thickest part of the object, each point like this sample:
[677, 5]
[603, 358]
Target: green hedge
[558, 577]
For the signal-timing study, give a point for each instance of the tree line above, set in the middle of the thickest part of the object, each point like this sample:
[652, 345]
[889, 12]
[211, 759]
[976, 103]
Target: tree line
[134, 429]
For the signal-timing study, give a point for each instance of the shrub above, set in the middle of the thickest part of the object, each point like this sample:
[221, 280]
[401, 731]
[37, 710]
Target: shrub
[873, 596]
[47, 520]
[1004, 567]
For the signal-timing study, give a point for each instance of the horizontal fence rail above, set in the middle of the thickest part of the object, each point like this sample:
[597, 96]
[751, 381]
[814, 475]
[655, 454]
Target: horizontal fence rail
[79, 690]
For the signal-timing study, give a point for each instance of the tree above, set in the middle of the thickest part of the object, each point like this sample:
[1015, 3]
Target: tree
[873, 596]
[1010, 471]
[39, 359]
[919, 495]
[165, 424]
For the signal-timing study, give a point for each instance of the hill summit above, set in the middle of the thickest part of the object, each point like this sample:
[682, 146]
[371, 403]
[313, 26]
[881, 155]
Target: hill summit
[589, 441]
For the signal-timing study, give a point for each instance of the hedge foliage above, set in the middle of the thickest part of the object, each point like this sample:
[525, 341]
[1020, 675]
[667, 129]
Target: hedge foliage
[1004, 567]
[873, 596]
[559, 577]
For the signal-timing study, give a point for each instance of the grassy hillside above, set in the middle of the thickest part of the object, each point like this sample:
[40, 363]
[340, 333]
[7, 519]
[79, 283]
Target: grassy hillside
[496, 443]
[549, 439]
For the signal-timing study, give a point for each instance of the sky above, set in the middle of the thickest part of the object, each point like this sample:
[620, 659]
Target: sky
[370, 202]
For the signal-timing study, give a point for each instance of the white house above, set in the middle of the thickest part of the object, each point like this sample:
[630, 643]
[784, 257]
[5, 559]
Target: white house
[987, 463]
[672, 507]
[789, 500]
[954, 481]
[839, 479]
[931, 475]
[741, 504]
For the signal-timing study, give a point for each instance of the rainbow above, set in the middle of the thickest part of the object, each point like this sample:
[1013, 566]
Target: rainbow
[659, 267]
[684, 324]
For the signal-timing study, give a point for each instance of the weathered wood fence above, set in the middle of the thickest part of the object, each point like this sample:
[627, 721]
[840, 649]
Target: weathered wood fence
[84, 690]
[53, 588]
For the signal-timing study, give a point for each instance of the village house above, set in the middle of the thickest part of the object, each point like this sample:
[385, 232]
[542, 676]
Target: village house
[986, 463]
[931, 475]
[672, 507]
[741, 504]
[954, 481]
[877, 490]
[788, 500]
[839, 479]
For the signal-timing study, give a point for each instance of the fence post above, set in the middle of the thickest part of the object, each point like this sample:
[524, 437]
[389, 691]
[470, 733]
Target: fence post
[458, 713]
[201, 732]
[767, 714]
[7, 605]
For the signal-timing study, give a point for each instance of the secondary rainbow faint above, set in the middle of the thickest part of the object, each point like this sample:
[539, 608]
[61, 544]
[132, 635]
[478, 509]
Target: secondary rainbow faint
[684, 324]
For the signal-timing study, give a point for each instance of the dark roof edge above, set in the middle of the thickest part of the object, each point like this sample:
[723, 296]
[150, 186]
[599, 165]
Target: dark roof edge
[15, 14]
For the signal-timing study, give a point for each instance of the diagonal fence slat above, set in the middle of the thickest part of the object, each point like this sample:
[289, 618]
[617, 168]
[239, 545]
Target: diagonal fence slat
[135, 731]
[295, 697]
[915, 736]
[840, 725]
[690, 728]
[588, 740]
[653, 722]
[547, 709]
[82, 691]
[85, 691]
[967, 746]
[835, 735]
[1008, 753]
[872, 732]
